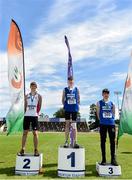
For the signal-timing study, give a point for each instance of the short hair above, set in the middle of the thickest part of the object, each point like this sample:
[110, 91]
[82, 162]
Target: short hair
[70, 78]
[105, 91]
[33, 84]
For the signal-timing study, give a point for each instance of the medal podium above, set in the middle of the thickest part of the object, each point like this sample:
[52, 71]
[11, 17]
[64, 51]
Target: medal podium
[28, 164]
[71, 162]
[108, 170]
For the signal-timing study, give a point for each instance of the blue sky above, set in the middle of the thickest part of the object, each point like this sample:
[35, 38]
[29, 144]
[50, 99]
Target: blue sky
[100, 36]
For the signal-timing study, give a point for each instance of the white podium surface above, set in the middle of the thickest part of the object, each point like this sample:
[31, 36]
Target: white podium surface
[108, 170]
[71, 162]
[28, 164]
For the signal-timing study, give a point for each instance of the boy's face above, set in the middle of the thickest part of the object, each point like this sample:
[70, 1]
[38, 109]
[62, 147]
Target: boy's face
[70, 83]
[33, 88]
[106, 95]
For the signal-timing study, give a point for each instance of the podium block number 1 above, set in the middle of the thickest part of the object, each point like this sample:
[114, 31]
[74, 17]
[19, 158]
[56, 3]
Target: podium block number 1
[72, 156]
[27, 164]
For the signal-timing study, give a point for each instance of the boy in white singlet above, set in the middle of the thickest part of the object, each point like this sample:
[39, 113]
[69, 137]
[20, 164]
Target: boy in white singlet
[33, 102]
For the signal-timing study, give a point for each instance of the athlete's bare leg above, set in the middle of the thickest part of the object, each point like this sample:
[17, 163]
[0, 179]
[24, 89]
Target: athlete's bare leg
[67, 129]
[24, 138]
[35, 139]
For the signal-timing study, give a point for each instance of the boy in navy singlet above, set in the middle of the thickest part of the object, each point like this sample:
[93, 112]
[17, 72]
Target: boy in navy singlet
[106, 116]
[71, 101]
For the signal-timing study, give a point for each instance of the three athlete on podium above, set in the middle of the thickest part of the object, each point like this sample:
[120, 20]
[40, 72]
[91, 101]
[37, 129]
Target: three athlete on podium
[71, 102]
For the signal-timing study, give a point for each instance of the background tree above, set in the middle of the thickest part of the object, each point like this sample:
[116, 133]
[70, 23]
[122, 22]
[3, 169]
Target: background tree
[94, 123]
[92, 113]
[61, 113]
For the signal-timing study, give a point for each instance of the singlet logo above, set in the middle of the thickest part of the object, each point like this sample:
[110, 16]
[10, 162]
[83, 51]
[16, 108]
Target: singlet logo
[16, 81]
[106, 107]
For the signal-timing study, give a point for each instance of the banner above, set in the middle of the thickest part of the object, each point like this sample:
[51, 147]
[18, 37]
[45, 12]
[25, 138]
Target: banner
[16, 77]
[126, 111]
[70, 67]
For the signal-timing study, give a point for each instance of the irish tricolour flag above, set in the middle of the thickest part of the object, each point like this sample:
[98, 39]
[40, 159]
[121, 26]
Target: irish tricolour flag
[15, 115]
[126, 111]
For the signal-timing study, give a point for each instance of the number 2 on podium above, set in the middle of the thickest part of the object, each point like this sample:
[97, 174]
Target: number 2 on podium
[26, 165]
[72, 156]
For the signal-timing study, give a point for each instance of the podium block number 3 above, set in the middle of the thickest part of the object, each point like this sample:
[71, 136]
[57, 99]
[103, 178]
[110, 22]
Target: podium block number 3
[27, 164]
[110, 170]
[72, 156]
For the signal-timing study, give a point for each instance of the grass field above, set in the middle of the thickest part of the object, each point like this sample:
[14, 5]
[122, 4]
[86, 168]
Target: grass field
[48, 145]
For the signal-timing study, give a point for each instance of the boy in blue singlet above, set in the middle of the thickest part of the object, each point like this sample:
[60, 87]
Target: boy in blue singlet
[71, 101]
[106, 116]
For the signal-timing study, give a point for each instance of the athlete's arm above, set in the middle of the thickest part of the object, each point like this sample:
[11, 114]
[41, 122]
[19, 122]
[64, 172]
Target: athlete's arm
[113, 109]
[39, 103]
[78, 96]
[63, 97]
[98, 109]
[25, 103]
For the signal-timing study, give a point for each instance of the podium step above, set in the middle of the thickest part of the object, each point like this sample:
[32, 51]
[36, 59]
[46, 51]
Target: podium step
[71, 162]
[108, 170]
[28, 164]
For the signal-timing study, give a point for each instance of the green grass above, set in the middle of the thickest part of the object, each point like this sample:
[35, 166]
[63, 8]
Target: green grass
[48, 145]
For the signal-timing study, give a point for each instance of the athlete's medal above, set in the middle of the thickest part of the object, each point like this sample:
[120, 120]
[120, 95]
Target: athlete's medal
[32, 106]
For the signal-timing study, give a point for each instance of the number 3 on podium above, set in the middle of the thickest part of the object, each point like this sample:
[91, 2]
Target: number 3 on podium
[72, 156]
[26, 165]
[110, 170]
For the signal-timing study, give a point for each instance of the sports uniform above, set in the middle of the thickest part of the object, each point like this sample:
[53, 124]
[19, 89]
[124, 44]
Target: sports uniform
[71, 103]
[31, 114]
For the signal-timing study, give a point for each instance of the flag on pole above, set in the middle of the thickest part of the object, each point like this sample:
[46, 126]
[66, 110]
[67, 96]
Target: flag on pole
[125, 125]
[14, 117]
[70, 67]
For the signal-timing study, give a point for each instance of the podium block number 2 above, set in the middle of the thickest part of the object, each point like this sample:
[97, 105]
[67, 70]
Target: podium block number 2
[72, 156]
[27, 164]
